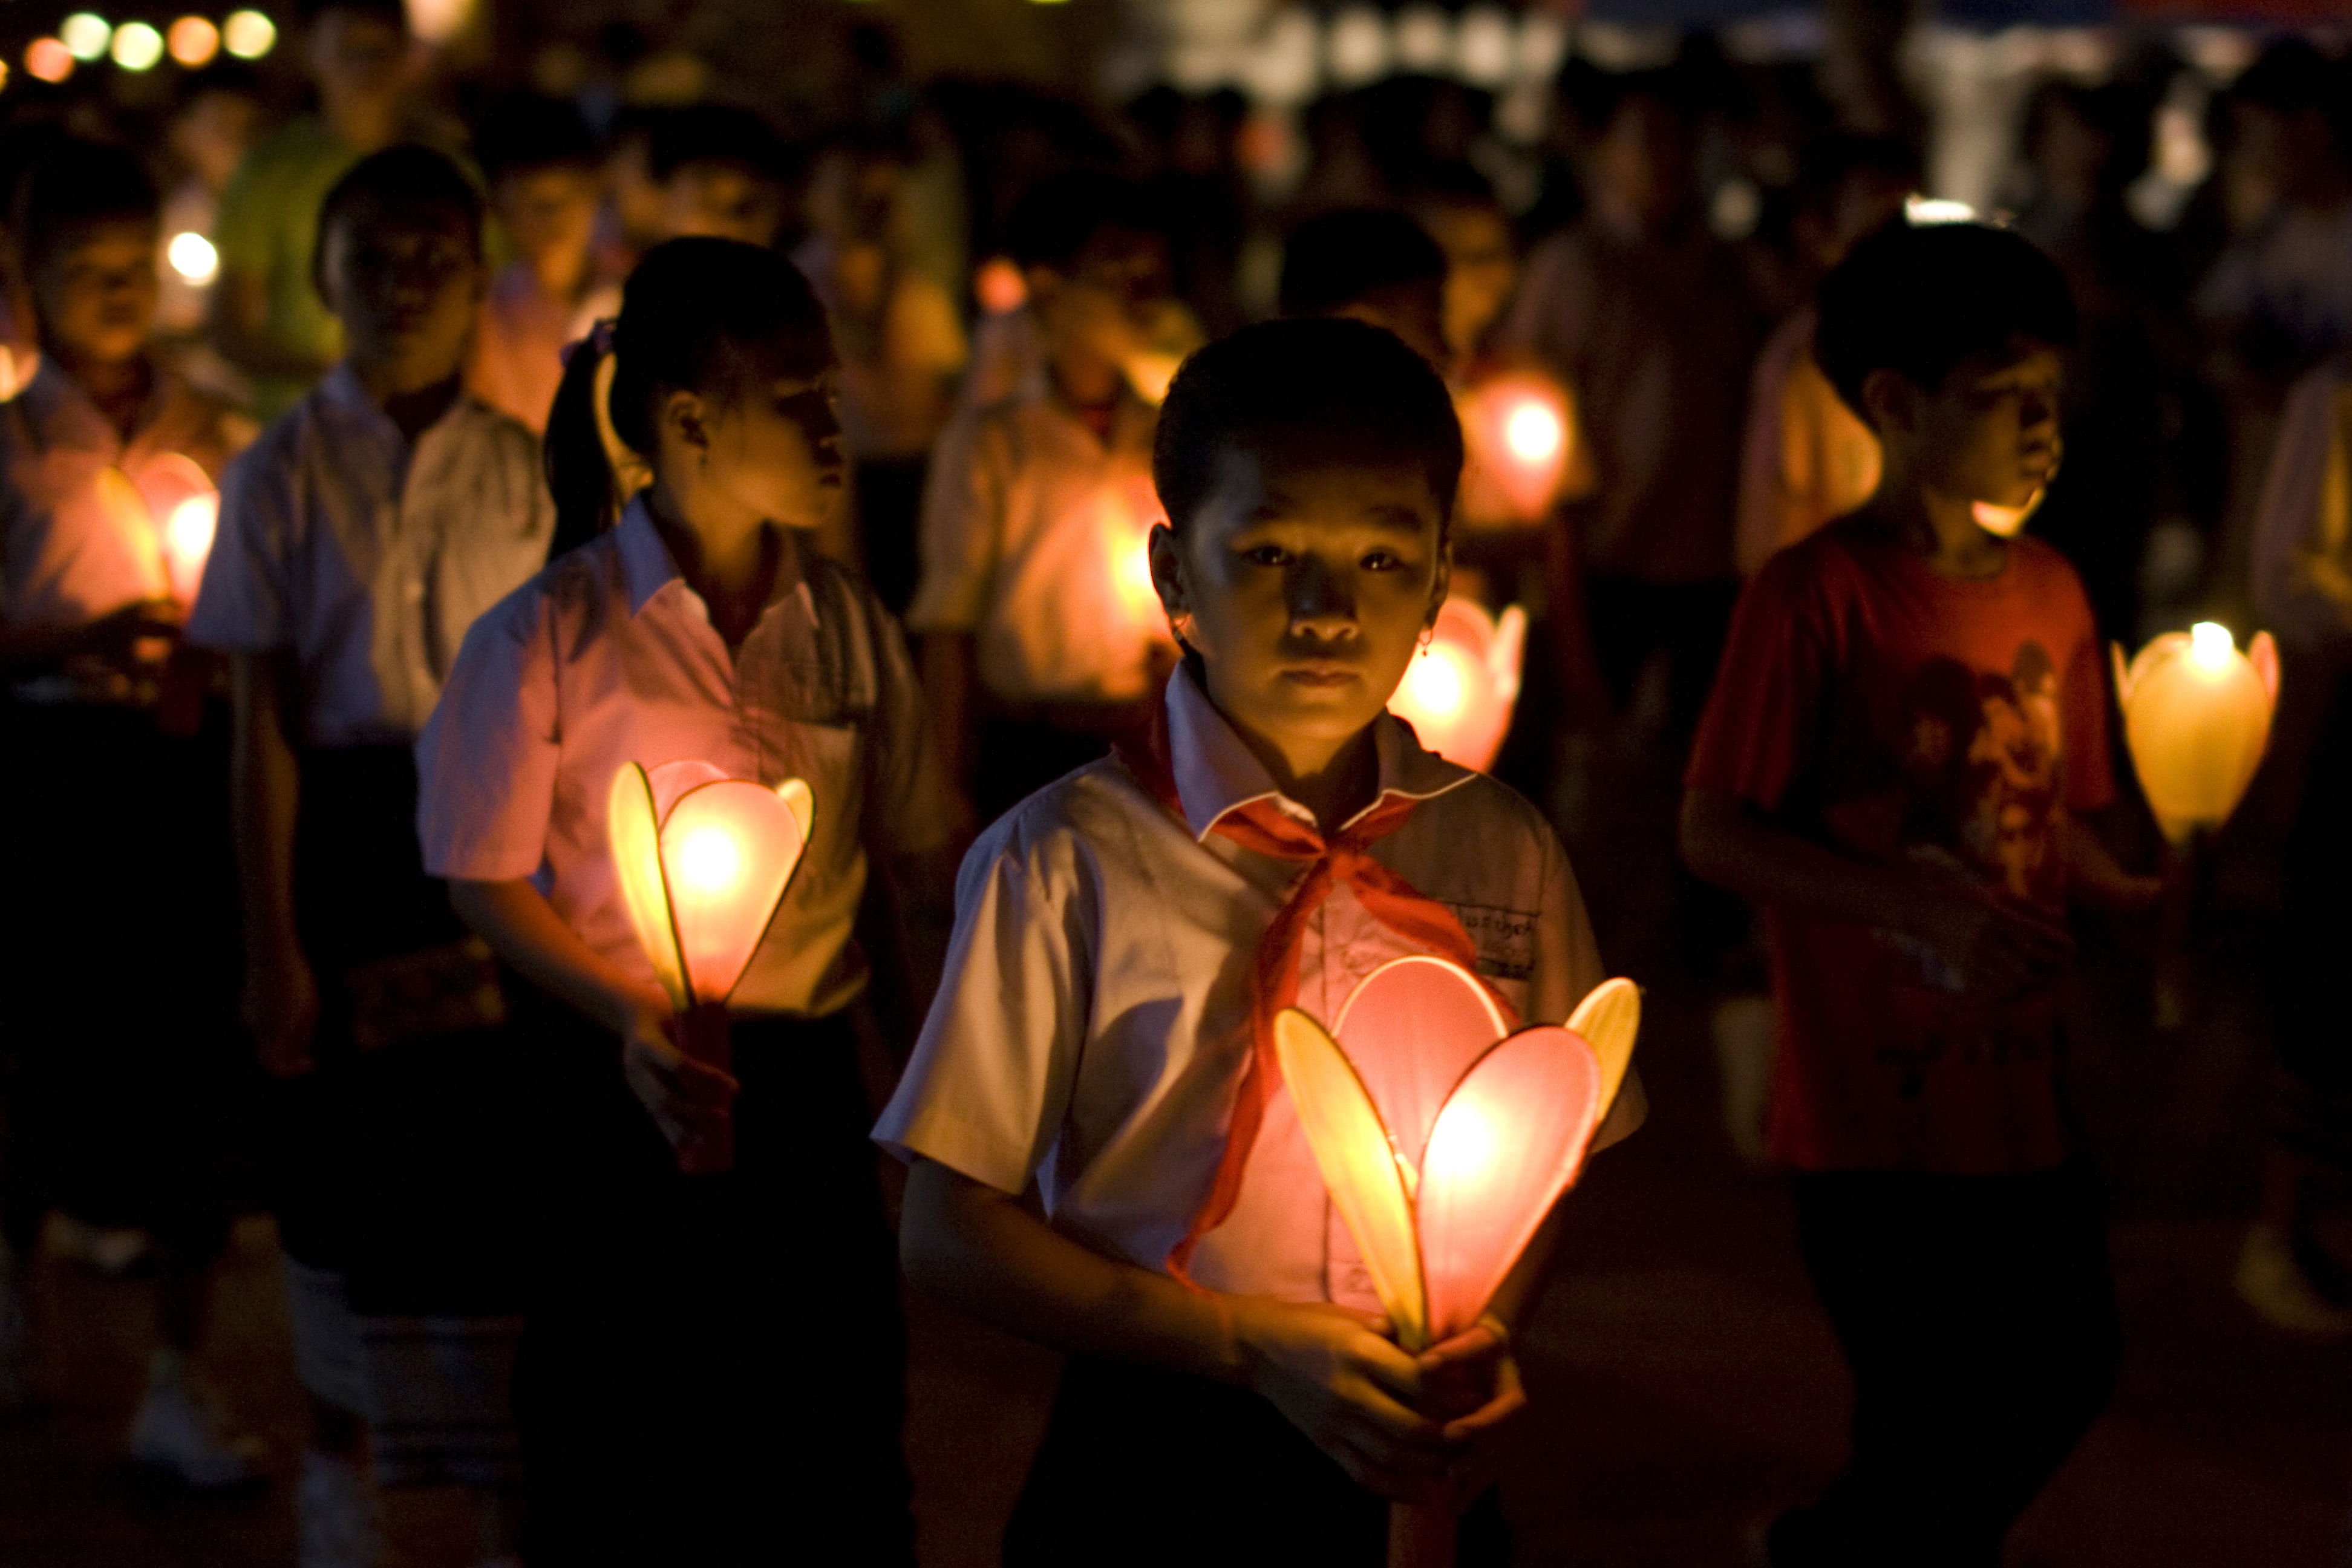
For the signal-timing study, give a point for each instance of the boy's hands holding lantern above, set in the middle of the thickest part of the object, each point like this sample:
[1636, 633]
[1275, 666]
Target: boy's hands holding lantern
[1339, 1378]
[1472, 1383]
[688, 1099]
[1997, 947]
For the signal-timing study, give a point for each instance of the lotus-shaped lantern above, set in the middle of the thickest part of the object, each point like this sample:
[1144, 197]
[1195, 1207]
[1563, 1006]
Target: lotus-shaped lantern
[1517, 441]
[1458, 692]
[168, 512]
[1445, 1140]
[704, 861]
[2197, 717]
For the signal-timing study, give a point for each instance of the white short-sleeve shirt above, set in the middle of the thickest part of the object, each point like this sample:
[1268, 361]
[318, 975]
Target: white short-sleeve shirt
[1034, 535]
[608, 658]
[368, 558]
[1094, 1021]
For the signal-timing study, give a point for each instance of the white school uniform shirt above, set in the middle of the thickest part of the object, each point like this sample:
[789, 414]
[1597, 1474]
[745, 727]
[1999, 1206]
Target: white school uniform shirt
[608, 658]
[1034, 540]
[368, 558]
[1094, 1021]
[65, 557]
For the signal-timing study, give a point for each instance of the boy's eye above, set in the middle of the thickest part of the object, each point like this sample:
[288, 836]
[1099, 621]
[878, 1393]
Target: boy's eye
[1267, 555]
[1382, 561]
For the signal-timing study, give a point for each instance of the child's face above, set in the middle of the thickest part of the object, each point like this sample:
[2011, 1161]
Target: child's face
[721, 200]
[357, 56]
[1989, 433]
[776, 446]
[96, 291]
[406, 286]
[1305, 582]
[549, 212]
[212, 134]
[1107, 304]
[1482, 268]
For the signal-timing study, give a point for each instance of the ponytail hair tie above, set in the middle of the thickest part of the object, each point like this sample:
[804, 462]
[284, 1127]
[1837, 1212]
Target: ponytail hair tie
[599, 340]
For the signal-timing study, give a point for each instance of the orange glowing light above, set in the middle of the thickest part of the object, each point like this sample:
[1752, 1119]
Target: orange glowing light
[188, 544]
[1459, 693]
[1444, 1142]
[1126, 533]
[1517, 441]
[999, 286]
[194, 41]
[2007, 521]
[48, 59]
[2197, 718]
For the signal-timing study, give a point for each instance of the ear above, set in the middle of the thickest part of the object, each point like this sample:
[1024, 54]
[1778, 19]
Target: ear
[1891, 399]
[685, 418]
[1167, 557]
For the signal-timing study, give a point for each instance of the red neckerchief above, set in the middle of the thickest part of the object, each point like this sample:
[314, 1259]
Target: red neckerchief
[1262, 826]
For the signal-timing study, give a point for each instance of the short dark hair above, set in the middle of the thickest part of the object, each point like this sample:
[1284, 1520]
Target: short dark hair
[722, 133]
[408, 182]
[1918, 300]
[529, 131]
[1342, 257]
[1054, 218]
[1342, 382]
[74, 184]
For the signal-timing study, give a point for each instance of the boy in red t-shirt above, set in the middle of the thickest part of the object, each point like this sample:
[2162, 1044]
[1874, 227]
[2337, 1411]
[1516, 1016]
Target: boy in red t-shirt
[1909, 724]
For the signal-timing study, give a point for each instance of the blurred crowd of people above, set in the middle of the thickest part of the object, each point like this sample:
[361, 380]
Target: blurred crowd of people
[1625, 314]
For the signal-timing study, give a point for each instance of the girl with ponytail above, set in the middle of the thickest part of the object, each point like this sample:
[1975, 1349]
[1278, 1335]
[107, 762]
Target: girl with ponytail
[713, 1368]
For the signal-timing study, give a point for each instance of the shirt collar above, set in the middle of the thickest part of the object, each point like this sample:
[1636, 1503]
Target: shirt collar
[339, 389]
[1216, 775]
[63, 414]
[647, 567]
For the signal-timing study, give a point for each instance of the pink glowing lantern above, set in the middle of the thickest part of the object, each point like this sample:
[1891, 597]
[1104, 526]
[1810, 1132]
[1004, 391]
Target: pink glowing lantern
[704, 861]
[166, 514]
[1517, 442]
[2197, 718]
[1445, 1141]
[1458, 692]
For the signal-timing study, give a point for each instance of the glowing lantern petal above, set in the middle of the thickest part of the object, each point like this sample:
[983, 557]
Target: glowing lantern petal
[1412, 1027]
[1509, 1141]
[1608, 1020]
[636, 834]
[1459, 692]
[183, 509]
[2197, 717]
[126, 510]
[728, 848]
[1360, 1168]
[1517, 440]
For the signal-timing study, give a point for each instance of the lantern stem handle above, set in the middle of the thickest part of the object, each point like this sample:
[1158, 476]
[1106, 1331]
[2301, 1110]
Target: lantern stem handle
[702, 1035]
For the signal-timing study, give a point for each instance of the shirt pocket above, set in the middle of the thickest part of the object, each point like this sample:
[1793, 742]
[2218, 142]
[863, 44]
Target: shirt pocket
[830, 758]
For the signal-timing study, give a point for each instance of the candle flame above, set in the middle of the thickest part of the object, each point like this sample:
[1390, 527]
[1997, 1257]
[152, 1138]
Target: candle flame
[2210, 646]
[1533, 432]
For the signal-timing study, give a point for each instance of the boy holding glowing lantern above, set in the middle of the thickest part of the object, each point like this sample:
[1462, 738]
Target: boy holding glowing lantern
[1910, 723]
[106, 509]
[713, 1361]
[1235, 1389]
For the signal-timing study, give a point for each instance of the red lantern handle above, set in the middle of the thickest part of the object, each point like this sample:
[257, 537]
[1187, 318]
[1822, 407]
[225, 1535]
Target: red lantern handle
[702, 1035]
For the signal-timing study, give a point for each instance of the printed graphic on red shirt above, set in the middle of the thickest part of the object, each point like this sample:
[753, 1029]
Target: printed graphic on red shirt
[1947, 726]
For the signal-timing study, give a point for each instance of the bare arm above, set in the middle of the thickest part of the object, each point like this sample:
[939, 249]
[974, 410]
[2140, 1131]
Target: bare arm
[1996, 946]
[281, 995]
[2093, 875]
[685, 1097]
[1331, 1371]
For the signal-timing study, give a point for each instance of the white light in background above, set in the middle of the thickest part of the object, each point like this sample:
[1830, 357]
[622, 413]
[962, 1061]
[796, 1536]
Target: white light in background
[438, 21]
[248, 35]
[1357, 50]
[192, 256]
[1485, 46]
[1424, 40]
[137, 46]
[85, 36]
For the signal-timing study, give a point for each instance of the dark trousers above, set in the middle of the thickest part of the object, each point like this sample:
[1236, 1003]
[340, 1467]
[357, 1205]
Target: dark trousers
[889, 519]
[1147, 1467]
[127, 1094]
[713, 1367]
[1980, 1322]
[2314, 1112]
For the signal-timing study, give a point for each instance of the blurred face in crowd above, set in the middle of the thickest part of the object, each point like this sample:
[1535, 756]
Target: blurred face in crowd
[550, 214]
[1989, 433]
[770, 443]
[406, 286]
[1304, 581]
[639, 201]
[726, 201]
[1866, 201]
[357, 58]
[1108, 305]
[1482, 268]
[211, 134]
[1413, 311]
[95, 291]
[1643, 162]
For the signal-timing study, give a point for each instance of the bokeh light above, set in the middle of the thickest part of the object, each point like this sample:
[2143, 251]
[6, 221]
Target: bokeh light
[48, 59]
[137, 46]
[194, 41]
[85, 36]
[248, 35]
[192, 256]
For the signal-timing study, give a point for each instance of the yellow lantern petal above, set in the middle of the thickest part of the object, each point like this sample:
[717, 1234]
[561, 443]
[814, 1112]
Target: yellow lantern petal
[802, 803]
[636, 835]
[728, 848]
[1608, 1020]
[1360, 1168]
[2197, 717]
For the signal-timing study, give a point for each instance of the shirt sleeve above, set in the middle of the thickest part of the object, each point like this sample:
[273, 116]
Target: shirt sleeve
[907, 805]
[486, 759]
[963, 517]
[1764, 710]
[989, 1085]
[2301, 586]
[242, 606]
